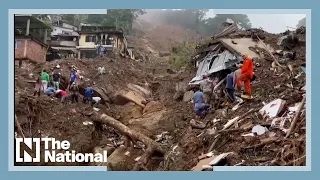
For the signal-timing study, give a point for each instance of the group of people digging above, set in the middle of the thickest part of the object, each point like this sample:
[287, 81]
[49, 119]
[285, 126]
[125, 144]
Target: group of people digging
[71, 92]
[234, 80]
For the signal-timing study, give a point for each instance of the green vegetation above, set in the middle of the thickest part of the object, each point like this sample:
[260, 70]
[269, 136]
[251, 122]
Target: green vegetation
[181, 54]
[120, 18]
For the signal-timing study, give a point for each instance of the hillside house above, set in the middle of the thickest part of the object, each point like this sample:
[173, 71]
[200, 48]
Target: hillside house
[93, 36]
[31, 36]
[64, 40]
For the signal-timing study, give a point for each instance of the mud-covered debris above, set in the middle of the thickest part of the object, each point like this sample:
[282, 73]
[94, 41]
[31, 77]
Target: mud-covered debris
[273, 108]
[153, 106]
[217, 159]
[197, 124]
[207, 155]
[86, 123]
[163, 137]
[202, 164]
[188, 96]
[259, 130]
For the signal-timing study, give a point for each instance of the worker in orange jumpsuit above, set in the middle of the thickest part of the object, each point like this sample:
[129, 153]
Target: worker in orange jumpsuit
[246, 75]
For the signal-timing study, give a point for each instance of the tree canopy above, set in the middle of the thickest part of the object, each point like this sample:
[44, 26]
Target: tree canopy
[120, 18]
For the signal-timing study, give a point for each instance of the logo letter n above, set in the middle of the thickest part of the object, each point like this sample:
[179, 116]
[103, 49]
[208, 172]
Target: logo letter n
[28, 144]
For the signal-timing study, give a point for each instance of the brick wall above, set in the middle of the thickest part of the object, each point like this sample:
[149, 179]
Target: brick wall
[34, 51]
[19, 48]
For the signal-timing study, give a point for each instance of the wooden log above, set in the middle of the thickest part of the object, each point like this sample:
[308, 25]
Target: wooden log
[238, 120]
[214, 142]
[152, 146]
[296, 117]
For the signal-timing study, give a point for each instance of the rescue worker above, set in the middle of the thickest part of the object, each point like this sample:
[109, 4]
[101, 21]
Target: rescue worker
[45, 79]
[246, 76]
[56, 75]
[200, 106]
[74, 90]
[73, 76]
[38, 87]
[87, 98]
[49, 91]
[206, 87]
[230, 85]
[101, 50]
[61, 94]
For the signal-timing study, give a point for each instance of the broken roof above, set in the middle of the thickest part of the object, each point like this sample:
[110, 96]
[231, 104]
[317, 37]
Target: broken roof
[242, 46]
[215, 61]
[228, 30]
[236, 45]
[230, 50]
[20, 22]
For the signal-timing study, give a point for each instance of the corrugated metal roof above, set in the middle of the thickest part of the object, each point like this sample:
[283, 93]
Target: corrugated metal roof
[219, 63]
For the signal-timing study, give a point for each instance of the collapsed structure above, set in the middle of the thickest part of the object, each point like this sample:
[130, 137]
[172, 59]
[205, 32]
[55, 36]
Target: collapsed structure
[277, 124]
[219, 57]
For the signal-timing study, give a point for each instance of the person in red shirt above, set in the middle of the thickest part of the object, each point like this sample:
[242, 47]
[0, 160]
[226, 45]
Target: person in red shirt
[246, 75]
[61, 94]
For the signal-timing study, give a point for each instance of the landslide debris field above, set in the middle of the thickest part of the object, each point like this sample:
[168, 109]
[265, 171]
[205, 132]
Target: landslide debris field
[144, 120]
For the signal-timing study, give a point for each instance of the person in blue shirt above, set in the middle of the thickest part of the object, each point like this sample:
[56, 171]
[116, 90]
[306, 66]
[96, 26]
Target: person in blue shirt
[88, 93]
[73, 77]
[230, 85]
[200, 106]
[49, 91]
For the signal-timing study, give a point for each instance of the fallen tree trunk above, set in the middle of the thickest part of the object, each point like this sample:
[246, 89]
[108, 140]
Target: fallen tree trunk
[296, 117]
[152, 146]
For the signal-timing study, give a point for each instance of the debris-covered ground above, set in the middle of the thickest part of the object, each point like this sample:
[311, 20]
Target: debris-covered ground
[151, 99]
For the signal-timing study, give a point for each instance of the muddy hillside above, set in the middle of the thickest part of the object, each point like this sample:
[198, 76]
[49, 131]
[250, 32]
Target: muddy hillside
[146, 119]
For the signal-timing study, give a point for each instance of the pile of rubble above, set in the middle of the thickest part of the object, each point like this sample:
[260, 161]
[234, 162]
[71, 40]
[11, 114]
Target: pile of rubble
[266, 131]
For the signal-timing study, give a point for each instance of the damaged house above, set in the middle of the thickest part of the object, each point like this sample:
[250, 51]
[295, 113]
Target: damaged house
[31, 37]
[110, 38]
[220, 56]
[64, 40]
